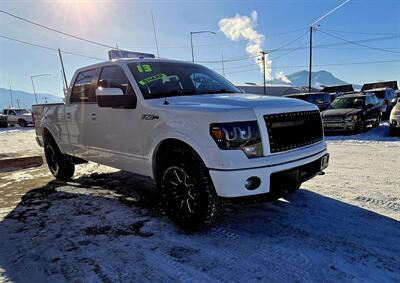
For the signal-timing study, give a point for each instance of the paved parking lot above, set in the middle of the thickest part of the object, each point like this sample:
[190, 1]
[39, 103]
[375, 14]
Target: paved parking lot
[106, 226]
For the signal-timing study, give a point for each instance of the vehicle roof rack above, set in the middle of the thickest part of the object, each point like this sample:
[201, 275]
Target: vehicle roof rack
[338, 88]
[124, 54]
[388, 84]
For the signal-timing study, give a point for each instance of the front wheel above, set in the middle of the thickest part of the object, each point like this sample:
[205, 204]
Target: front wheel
[186, 190]
[22, 123]
[360, 128]
[57, 163]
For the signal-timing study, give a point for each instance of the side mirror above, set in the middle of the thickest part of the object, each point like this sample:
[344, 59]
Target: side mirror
[115, 98]
[394, 101]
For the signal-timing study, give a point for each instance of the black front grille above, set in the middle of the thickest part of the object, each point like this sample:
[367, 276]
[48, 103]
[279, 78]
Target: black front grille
[292, 130]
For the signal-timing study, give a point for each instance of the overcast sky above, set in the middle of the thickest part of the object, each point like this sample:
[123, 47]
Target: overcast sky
[266, 24]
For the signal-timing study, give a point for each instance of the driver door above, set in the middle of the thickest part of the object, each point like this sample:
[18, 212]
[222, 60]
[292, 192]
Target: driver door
[119, 132]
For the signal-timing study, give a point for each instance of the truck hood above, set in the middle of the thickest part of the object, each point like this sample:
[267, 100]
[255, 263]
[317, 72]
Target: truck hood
[340, 112]
[238, 101]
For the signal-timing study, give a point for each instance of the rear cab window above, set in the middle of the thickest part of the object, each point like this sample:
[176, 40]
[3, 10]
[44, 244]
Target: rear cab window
[83, 89]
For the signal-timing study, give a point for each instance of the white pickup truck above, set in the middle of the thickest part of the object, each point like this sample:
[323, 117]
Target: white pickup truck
[194, 133]
[18, 116]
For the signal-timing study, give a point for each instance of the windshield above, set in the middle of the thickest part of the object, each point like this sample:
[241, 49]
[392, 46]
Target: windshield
[348, 102]
[21, 111]
[162, 79]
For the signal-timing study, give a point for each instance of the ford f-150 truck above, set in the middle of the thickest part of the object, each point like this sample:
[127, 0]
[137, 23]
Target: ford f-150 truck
[194, 133]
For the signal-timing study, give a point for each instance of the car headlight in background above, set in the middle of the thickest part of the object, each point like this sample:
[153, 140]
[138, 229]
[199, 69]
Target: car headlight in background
[238, 135]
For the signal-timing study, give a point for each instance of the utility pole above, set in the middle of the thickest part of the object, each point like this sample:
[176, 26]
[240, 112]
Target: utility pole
[63, 73]
[263, 61]
[310, 67]
[223, 67]
[11, 98]
[312, 27]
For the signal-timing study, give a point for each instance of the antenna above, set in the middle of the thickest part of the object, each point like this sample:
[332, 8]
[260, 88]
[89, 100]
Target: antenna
[155, 35]
[63, 72]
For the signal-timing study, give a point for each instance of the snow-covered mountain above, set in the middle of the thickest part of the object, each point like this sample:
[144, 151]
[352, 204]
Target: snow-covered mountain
[25, 99]
[319, 79]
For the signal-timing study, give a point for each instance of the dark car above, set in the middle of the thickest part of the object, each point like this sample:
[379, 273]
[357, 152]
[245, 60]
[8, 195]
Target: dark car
[321, 99]
[352, 112]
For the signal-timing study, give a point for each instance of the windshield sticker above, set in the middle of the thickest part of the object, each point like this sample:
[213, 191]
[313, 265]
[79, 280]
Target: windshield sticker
[144, 68]
[152, 79]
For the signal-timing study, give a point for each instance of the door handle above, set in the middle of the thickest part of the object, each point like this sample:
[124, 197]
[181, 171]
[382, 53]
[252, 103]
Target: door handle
[94, 116]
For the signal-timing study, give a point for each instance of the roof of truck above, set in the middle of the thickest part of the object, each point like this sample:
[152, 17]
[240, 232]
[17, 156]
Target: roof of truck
[131, 60]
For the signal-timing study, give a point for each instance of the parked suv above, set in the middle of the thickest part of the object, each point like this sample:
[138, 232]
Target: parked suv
[321, 99]
[186, 127]
[352, 112]
[385, 96]
[3, 121]
[394, 119]
[18, 116]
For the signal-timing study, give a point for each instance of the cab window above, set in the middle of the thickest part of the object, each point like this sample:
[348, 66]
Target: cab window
[83, 90]
[114, 77]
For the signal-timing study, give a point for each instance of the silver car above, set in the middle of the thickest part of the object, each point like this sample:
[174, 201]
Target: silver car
[394, 119]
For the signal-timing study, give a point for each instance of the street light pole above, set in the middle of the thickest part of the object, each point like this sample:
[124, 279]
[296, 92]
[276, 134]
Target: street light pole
[33, 84]
[191, 39]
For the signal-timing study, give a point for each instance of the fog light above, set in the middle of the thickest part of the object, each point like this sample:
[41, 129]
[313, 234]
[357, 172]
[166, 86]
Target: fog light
[252, 183]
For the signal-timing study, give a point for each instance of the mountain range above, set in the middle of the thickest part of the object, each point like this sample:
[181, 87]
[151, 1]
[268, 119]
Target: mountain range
[319, 79]
[25, 99]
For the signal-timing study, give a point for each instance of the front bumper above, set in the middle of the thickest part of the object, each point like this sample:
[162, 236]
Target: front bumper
[231, 183]
[340, 126]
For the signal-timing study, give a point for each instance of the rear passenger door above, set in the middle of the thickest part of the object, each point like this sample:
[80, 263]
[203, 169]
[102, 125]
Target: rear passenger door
[78, 114]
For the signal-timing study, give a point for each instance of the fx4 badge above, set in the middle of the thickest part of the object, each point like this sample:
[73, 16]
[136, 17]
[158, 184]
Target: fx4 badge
[149, 117]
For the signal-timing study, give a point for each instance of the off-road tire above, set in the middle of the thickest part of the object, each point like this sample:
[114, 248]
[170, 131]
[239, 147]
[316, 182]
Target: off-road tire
[59, 166]
[186, 190]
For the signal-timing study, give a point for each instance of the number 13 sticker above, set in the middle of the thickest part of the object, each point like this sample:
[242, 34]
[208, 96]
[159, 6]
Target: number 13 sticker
[145, 68]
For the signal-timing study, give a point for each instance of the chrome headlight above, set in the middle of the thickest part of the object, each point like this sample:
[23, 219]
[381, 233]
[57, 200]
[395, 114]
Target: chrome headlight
[238, 135]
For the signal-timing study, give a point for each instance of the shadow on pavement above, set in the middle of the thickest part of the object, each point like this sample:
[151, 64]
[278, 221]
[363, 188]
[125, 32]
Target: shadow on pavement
[108, 228]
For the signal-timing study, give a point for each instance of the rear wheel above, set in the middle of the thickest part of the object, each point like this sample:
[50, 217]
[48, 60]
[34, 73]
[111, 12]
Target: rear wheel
[59, 166]
[186, 190]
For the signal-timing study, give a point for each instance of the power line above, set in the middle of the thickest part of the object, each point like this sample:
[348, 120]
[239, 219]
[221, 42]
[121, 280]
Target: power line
[289, 43]
[359, 32]
[56, 30]
[50, 48]
[357, 43]
[320, 65]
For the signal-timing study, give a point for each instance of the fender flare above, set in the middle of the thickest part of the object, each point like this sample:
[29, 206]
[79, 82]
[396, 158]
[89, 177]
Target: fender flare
[159, 139]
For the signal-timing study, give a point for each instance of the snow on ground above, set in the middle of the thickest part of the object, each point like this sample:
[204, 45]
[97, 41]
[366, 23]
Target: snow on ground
[106, 226]
[17, 141]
